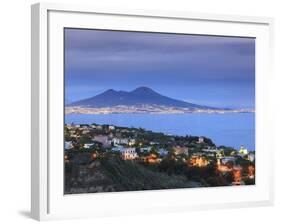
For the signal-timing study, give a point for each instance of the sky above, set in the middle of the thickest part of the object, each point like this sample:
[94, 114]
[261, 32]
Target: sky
[208, 70]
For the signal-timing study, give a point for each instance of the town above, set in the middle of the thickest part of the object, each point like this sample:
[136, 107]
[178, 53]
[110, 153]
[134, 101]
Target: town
[152, 109]
[104, 158]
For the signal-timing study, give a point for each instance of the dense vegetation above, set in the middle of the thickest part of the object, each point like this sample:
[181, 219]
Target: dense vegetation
[115, 174]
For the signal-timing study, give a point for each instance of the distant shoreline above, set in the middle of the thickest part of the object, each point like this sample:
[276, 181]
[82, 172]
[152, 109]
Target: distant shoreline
[225, 129]
[151, 109]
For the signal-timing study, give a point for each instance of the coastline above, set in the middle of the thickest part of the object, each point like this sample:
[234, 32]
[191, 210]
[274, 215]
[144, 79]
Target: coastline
[149, 110]
[231, 129]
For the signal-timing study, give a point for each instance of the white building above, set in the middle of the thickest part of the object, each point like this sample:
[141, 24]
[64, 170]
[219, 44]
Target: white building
[117, 148]
[68, 145]
[124, 141]
[99, 127]
[251, 157]
[129, 153]
[88, 145]
[145, 149]
[111, 127]
[103, 139]
[115, 141]
[201, 140]
[227, 159]
[118, 141]
[132, 141]
[209, 149]
[69, 126]
[243, 151]
[163, 152]
[85, 131]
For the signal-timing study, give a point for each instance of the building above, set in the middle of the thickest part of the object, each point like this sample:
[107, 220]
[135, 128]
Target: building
[163, 152]
[222, 167]
[233, 153]
[211, 152]
[103, 139]
[198, 161]
[251, 157]
[201, 140]
[198, 154]
[132, 141]
[220, 154]
[243, 151]
[152, 159]
[72, 132]
[118, 141]
[111, 127]
[85, 131]
[68, 145]
[209, 149]
[69, 126]
[145, 149]
[237, 175]
[251, 172]
[117, 148]
[227, 159]
[99, 127]
[178, 150]
[115, 141]
[88, 145]
[129, 153]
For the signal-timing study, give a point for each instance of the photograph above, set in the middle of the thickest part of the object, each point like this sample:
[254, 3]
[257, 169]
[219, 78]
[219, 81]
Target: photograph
[157, 111]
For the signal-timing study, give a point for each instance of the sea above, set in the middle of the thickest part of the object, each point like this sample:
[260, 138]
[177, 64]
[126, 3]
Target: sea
[228, 129]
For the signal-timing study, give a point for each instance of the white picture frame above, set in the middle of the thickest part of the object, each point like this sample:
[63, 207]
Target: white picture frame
[48, 201]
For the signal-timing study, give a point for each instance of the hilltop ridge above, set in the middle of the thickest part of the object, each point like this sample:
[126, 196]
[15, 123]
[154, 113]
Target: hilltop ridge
[139, 96]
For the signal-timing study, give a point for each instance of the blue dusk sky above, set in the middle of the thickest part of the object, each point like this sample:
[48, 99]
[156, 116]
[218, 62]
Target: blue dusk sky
[207, 70]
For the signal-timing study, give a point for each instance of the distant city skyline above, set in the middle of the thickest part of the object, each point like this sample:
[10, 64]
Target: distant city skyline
[207, 70]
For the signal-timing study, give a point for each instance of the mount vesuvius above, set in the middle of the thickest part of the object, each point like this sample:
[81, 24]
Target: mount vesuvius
[138, 97]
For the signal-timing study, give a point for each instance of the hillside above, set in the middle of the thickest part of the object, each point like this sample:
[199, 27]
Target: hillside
[115, 174]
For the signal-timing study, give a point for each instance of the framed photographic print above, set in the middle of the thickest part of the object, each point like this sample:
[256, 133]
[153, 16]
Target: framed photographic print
[162, 111]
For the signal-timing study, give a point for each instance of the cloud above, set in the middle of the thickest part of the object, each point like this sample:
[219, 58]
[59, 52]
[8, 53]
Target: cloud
[118, 41]
[92, 52]
[128, 59]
